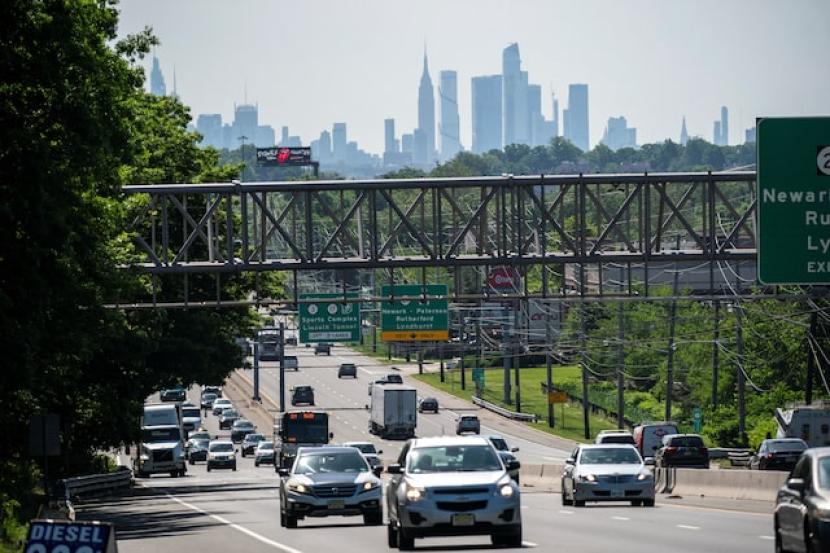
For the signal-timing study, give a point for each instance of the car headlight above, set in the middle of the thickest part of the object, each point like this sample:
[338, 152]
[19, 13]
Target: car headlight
[414, 494]
[145, 457]
[823, 512]
[297, 487]
[506, 490]
[181, 455]
[369, 486]
[643, 476]
[587, 478]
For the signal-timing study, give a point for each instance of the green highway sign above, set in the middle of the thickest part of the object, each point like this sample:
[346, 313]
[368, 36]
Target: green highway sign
[330, 319]
[794, 200]
[698, 419]
[414, 320]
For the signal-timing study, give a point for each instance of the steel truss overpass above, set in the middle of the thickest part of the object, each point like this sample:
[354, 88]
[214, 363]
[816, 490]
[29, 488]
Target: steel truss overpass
[582, 224]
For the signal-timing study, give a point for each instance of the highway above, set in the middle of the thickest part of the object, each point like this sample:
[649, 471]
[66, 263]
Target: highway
[233, 511]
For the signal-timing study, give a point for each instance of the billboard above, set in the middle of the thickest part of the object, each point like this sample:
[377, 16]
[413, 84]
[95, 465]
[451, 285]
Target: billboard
[279, 156]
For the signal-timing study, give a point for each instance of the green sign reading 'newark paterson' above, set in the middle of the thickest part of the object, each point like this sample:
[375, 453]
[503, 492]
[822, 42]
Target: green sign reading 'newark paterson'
[794, 200]
[414, 320]
[329, 320]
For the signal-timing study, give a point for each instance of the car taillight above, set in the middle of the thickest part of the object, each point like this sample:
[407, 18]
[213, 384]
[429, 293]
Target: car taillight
[770, 455]
[671, 450]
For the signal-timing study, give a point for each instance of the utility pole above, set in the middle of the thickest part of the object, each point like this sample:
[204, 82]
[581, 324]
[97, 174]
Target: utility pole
[715, 354]
[582, 346]
[516, 354]
[670, 363]
[811, 358]
[506, 339]
[620, 360]
[282, 367]
[256, 369]
[739, 338]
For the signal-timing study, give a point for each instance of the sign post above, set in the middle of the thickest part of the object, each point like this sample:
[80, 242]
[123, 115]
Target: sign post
[413, 320]
[698, 419]
[794, 200]
[330, 319]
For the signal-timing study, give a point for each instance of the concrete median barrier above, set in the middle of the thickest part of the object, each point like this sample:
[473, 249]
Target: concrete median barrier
[728, 484]
[541, 478]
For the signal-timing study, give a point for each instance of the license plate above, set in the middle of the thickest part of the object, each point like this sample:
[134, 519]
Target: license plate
[789, 459]
[464, 519]
[617, 493]
[338, 504]
[688, 453]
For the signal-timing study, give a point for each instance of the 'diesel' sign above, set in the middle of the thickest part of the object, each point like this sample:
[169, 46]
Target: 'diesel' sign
[794, 200]
[66, 536]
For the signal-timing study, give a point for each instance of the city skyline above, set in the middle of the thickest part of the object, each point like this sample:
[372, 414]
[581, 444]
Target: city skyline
[362, 83]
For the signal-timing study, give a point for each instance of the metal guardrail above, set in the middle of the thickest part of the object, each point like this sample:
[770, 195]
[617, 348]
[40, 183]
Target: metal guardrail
[528, 417]
[738, 456]
[93, 484]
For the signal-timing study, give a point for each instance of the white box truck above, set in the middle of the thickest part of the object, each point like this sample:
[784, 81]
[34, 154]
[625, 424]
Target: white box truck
[811, 423]
[161, 448]
[393, 411]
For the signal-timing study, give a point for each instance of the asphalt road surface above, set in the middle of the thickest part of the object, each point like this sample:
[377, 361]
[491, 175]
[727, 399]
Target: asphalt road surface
[226, 511]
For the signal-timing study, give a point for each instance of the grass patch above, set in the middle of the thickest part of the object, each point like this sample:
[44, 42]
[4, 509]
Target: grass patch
[567, 417]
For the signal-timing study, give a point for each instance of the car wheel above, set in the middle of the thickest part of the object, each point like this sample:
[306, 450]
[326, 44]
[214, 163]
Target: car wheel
[518, 480]
[809, 538]
[648, 502]
[405, 541]
[208, 468]
[234, 467]
[579, 502]
[374, 518]
[290, 521]
[779, 547]
[636, 502]
[391, 536]
[191, 462]
[174, 474]
[514, 539]
[256, 463]
[565, 500]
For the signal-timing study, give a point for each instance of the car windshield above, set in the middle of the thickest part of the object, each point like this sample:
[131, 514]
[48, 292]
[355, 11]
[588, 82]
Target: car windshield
[220, 402]
[469, 419]
[348, 366]
[394, 378]
[199, 436]
[499, 444]
[151, 435]
[342, 461]
[222, 447]
[265, 445]
[787, 445]
[254, 438]
[618, 439]
[191, 413]
[365, 448]
[610, 456]
[453, 458]
[230, 413]
[208, 397]
[686, 441]
[824, 473]
[243, 424]
[201, 443]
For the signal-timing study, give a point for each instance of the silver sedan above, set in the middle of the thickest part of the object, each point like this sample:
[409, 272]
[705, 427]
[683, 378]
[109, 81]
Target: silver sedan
[608, 472]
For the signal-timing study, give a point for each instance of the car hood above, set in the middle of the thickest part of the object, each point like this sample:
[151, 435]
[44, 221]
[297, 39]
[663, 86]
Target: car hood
[334, 478]
[451, 479]
[160, 445]
[597, 470]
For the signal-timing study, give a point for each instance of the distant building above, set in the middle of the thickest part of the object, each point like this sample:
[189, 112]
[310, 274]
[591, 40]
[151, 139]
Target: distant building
[426, 119]
[516, 126]
[157, 85]
[209, 125]
[407, 143]
[450, 122]
[576, 117]
[684, 135]
[338, 140]
[542, 130]
[245, 123]
[619, 135]
[721, 128]
[324, 154]
[555, 119]
[390, 145]
[716, 134]
[749, 135]
[487, 113]
[265, 136]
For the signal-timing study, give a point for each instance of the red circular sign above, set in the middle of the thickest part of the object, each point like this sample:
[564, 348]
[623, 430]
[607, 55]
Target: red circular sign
[503, 277]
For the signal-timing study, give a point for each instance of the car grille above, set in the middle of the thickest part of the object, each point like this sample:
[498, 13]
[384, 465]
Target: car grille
[460, 506]
[615, 478]
[346, 490]
[161, 455]
[459, 491]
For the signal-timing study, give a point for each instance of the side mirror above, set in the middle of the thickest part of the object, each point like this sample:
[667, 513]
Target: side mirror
[570, 461]
[283, 472]
[394, 469]
[649, 461]
[514, 449]
[236, 450]
[513, 465]
[380, 452]
[796, 484]
[377, 471]
[331, 435]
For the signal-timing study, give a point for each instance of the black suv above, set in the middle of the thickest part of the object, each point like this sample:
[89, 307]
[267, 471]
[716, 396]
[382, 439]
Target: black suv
[302, 395]
[322, 348]
[428, 404]
[174, 394]
[347, 369]
[682, 450]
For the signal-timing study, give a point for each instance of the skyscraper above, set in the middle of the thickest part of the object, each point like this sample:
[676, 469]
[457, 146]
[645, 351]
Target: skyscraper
[487, 113]
[324, 146]
[450, 126]
[576, 116]
[426, 118]
[514, 98]
[538, 131]
[338, 139]
[555, 120]
[618, 134]
[724, 126]
[209, 125]
[245, 123]
[684, 135]
[716, 134]
[157, 85]
[389, 136]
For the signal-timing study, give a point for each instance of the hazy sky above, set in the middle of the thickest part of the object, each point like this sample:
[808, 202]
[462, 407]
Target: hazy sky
[310, 63]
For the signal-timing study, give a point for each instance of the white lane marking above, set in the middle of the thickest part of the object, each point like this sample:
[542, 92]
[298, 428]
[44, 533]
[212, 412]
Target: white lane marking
[771, 538]
[620, 518]
[530, 544]
[563, 512]
[685, 527]
[258, 537]
[550, 459]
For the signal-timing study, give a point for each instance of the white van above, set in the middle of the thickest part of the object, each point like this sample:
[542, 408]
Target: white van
[648, 436]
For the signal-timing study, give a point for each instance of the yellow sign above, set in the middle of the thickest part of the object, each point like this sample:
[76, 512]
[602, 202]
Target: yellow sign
[557, 397]
[415, 335]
